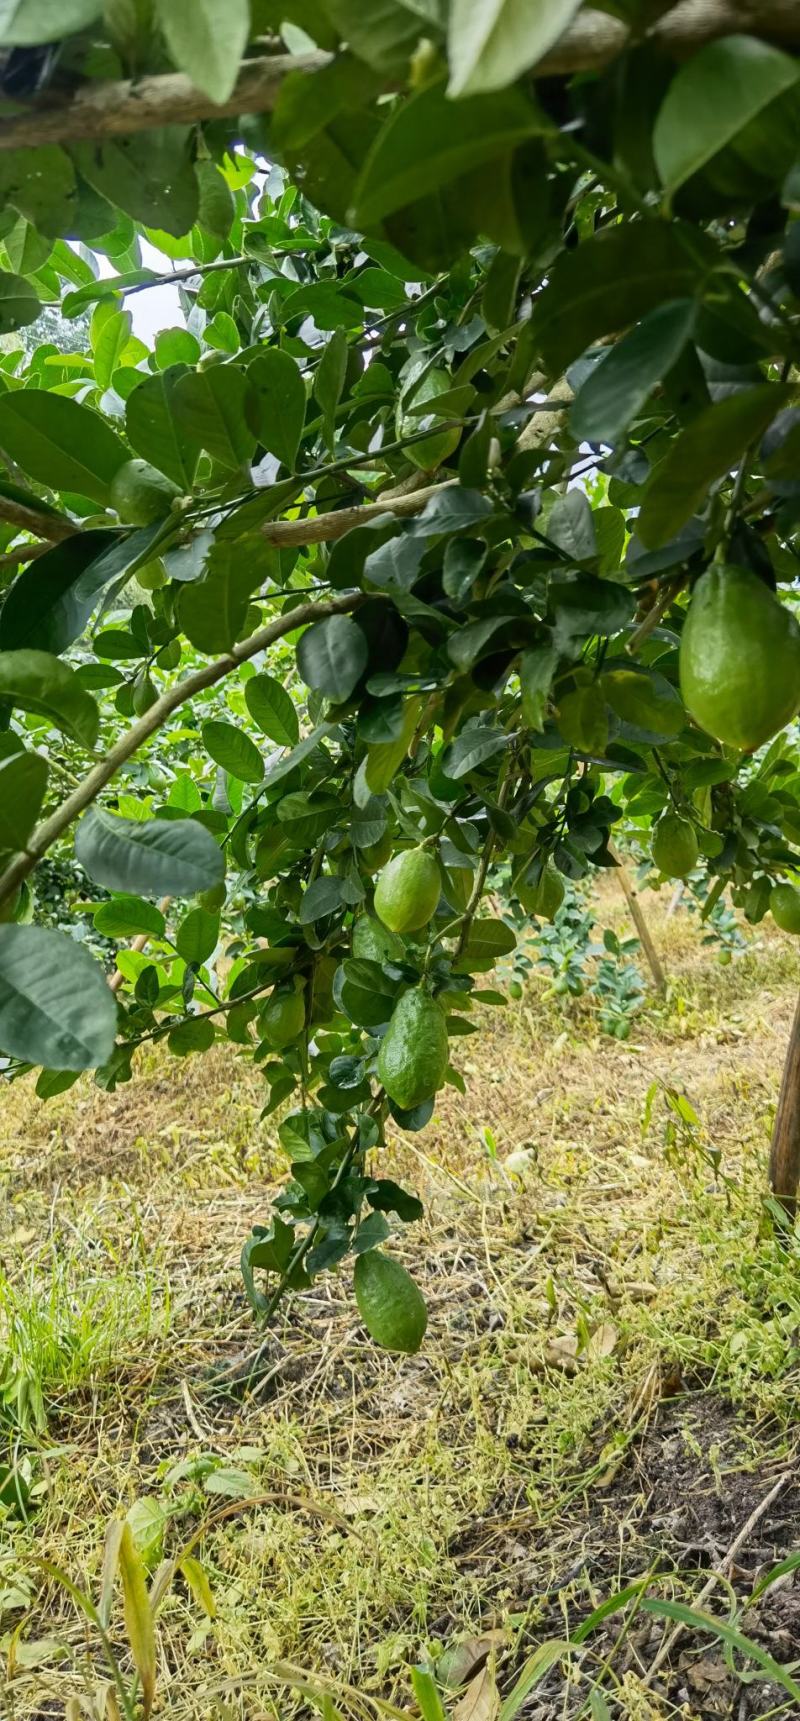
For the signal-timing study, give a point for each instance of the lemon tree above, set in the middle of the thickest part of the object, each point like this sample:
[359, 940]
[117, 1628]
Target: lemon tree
[449, 521]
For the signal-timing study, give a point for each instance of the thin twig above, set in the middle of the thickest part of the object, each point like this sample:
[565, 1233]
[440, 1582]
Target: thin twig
[723, 1570]
[134, 738]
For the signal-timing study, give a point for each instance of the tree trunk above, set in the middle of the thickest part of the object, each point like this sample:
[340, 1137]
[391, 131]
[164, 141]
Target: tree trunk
[784, 1159]
[638, 919]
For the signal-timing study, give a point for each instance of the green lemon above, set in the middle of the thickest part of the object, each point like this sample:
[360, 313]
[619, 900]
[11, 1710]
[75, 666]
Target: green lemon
[283, 1018]
[413, 1055]
[514, 989]
[408, 889]
[431, 450]
[152, 577]
[213, 898]
[674, 847]
[391, 1306]
[739, 659]
[374, 942]
[784, 905]
[545, 898]
[141, 494]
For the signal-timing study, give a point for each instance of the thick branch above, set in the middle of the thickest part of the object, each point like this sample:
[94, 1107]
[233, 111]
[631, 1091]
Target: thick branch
[324, 528]
[23, 553]
[592, 40]
[56, 527]
[118, 109]
[129, 743]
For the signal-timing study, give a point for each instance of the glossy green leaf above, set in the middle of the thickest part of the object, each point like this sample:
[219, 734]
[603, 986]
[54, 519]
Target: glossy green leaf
[429, 141]
[618, 387]
[206, 39]
[60, 443]
[281, 403]
[55, 1006]
[23, 781]
[151, 857]
[704, 451]
[233, 750]
[51, 601]
[271, 707]
[127, 916]
[712, 98]
[19, 302]
[212, 409]
[329, 382]
[156, 429]
[492, 42]
[197, 935]
[612, 280]
[149, 175]
[36, 681]
[25, 23]
[332, 656]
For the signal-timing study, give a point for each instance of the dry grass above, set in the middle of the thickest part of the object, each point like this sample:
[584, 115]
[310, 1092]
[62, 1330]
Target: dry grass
[506, 1477]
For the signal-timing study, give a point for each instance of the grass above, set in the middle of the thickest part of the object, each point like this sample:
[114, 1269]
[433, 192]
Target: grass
[614, 1339]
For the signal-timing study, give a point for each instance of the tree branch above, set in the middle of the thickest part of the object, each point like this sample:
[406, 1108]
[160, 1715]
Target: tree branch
[129, 743]
[118, 109]
[324, 528]
[103, 110]
[23, 553]
[56, 527]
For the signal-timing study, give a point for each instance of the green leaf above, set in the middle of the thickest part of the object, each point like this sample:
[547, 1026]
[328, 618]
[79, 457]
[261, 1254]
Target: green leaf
[384, 35]
[281, 403]
[323, 896]
[156, 857]
[212, 611]
[212, 409]
[429, 141]
[206, 39]
[486, 942]
[490, 43]
[270, 706]
[41, 184]
[704, 451]
[127, 916]
[36, 681]
[150, 175]
[363, 992]
[110, 345]
[19, 302]
[536, 670]
[26, 23]
[618, 387]
[197, 935]
[55, 1006]
[60, 443]
[23, 780]
[332, 656]
[583, 720]
[612, 280]
[570, 525]
[329, 382]
[284, 767]
[46, 606]
[233, 750]
[648, 701]
[712, 98]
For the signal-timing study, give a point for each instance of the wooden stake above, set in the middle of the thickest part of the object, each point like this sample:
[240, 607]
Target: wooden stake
[637, 916]
[784, 1158]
